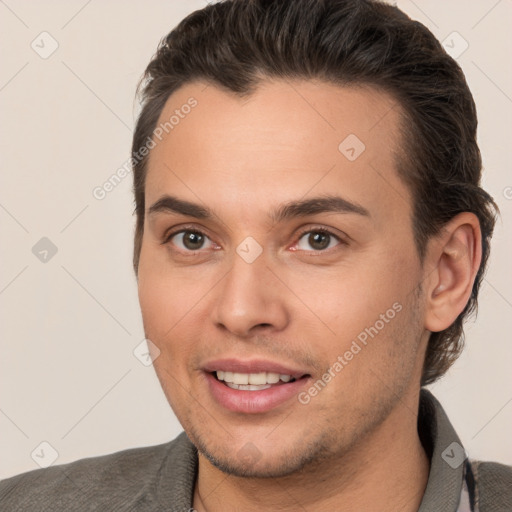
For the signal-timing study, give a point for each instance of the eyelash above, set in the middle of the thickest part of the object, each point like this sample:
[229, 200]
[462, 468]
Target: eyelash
[319, 229]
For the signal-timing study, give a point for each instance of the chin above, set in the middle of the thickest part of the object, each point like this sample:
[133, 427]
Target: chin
[250, 462]
[265, 467]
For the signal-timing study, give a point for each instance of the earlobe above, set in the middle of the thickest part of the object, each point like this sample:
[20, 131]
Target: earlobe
[456, 255]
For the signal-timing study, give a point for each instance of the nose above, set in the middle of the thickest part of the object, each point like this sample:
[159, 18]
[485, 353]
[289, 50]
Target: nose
[250, 299]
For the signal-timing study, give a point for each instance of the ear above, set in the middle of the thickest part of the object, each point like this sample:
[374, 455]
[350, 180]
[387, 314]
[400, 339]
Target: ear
[454, 258]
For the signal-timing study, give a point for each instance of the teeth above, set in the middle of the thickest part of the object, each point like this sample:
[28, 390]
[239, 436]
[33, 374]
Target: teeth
[258, 378]
[272, 378]
[247, 387]
[242, 380]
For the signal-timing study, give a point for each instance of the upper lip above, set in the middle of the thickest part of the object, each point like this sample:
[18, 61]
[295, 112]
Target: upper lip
[252, 366]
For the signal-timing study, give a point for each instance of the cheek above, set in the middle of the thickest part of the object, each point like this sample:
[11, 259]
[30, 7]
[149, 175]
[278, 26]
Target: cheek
[364, 300]
[164, 296]
[156, 306]
[172, 307]
[164, 317]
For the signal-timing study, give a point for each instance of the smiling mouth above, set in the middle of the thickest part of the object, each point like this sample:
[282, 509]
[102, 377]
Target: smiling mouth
[253, 381]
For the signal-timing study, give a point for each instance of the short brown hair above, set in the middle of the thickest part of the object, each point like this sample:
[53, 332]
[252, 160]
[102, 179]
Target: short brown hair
[234, 43]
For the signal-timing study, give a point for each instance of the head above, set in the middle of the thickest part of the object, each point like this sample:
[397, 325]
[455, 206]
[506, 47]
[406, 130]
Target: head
[334, 142]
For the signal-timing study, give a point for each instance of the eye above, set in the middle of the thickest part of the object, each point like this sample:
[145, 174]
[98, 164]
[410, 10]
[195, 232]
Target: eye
[318, 240]
[189, 240]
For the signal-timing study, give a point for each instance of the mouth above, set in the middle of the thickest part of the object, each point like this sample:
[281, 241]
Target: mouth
[254, 391]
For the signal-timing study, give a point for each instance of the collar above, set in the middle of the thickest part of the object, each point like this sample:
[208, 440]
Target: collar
[447, 456]
[178, 474]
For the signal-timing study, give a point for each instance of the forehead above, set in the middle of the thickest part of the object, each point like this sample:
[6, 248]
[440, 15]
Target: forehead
[284, 141]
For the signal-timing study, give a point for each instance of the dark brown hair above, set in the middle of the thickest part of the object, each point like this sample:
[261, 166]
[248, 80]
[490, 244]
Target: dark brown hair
[234, 44]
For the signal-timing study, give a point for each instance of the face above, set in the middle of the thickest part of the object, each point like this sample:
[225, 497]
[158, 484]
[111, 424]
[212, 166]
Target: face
[278, 254]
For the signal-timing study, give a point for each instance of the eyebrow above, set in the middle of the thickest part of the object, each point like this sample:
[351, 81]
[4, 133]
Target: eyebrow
[300, 208]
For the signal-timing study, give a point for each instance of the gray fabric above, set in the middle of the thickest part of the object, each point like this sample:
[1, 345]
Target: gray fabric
[158, 478]
[444, 484]
[466, 503]
[161, 478]
[495, 493]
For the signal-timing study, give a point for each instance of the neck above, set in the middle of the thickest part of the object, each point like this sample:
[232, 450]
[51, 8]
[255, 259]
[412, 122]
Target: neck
[387, 470]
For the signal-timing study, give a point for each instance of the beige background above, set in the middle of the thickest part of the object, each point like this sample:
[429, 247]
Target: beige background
[68, 375]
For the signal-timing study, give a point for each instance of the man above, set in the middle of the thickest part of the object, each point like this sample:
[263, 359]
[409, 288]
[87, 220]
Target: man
[311, 235]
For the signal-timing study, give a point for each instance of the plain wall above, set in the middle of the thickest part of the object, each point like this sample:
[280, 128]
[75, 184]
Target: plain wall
[68, 375]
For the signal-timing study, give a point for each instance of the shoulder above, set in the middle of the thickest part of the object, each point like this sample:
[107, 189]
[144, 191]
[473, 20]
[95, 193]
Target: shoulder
[117, 480]
[493, 489]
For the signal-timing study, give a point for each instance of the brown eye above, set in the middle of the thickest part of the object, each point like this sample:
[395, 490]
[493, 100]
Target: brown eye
[317, 240]
[189, 240]
[193, 241]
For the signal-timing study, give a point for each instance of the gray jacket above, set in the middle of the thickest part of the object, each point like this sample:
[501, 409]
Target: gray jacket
[161, 478]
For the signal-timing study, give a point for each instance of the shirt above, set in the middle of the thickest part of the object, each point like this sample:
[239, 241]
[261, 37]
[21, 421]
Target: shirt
[162, 478]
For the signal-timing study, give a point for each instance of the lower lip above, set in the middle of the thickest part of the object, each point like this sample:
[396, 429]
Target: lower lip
[253, 401]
